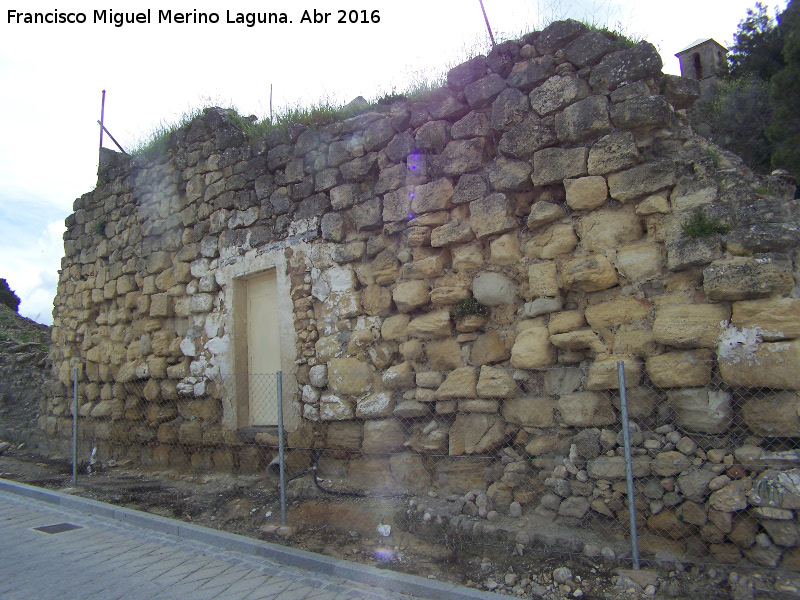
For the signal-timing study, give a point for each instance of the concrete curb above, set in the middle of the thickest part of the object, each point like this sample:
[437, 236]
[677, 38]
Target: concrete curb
[301, 559]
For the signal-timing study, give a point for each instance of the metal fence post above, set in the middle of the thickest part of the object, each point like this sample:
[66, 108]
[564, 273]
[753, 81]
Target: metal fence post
[626, 435]
[75, 426]
[280, 449]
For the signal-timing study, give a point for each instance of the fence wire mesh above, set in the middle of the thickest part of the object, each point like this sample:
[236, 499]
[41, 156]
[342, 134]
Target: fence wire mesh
[513, 457]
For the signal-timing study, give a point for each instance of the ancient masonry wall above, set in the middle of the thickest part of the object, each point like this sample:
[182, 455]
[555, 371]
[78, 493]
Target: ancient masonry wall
[549, 180]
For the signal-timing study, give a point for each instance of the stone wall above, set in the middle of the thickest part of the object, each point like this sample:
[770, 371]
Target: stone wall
[550, 181]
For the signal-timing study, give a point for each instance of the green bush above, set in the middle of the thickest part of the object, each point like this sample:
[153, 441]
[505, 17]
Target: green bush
[469, 306]
[700, 225]
[8, 297]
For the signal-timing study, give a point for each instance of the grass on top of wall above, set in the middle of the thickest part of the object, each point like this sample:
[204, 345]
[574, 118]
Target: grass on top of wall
[326, 111]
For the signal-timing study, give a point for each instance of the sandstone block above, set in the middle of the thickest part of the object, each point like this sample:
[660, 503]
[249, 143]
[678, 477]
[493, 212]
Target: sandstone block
[344, 435]
[685, 369]
[399, 377]
[431, 196]
[460, 383]
[640, 262]
[495, 383]
[585, 120]
[556, 93]
[604, 374]
[383, 436]
[491, 215]
[588, 273]
[585, 409]
[395, 327]
[563, 322]
[586, 193]
[444, 355]
[488, 348]
[335, 408]
[701, 410]
[553, 165]
[581, 339]
[411, 295]
[397, 204]
[769, 364]
[532, 411]
[626, 309]
[454, 232]
[522, 140]
[349, 376]
[543, 279]
[746, 278]
[532, 349]
[642, 180]
[504, 250]
[690, 325]
[613, 467]
[375, 406]
[543, 213]
[494, 289]
[632, 64]
[776, 318]
[613, 152]
[476, 433]
[433, 325]
[461, 156]
[556, 240]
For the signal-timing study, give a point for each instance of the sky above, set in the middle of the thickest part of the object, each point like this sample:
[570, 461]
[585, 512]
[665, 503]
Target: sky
[52, 77]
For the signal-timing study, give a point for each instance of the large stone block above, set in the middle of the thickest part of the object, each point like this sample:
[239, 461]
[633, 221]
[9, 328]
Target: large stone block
[383, 436]
[613, 467]
[701, 410]
[558, 92]
[532, 349]
[632, 64]
[433, 325]
[642, 180]
[586, 193]
[690, 325]
[773, 414]
[554, 241]
[608, 228]
[640, 262]
[585, 120]
[613, 152]
[747, 278]
[459, 384]
[431, 196]
[604, 372]
[494, 289]
[461, 156]
[627, 309]
[775, 318]
[586, 409]
[492, 215]
[588, 273]
[769, 364]
[496, 382]
[476, 433]
[553, 165]
[349, 376]
[444, 355]
[543, 279]
[581, 339]
[411, 295]
[526, 138]
[487, 349]
[690, 368]
[532, 411]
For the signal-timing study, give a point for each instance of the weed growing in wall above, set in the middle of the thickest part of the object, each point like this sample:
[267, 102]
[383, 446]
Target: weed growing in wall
[700, 225]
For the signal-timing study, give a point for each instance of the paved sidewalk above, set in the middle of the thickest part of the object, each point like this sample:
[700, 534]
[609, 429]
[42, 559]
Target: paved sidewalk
[122, 554]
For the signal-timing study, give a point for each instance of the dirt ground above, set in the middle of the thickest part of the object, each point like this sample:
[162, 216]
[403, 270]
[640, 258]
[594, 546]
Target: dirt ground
[350, 528]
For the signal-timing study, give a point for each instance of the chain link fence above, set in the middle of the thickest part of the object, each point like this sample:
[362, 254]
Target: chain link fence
[491, 455]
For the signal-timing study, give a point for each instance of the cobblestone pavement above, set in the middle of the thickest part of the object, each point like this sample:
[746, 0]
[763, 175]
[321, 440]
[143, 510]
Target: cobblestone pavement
[109, 559]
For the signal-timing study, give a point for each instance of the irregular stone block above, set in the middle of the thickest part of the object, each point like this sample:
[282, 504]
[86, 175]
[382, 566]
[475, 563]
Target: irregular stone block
[553, 165]
[491, 215]
[510, 175]
[585, 120]
[488, 348]
[746, 278]
[604, 372]
[382, 436]
[585, 409]
[349, 376]
[626, 309]
[433, 325]
[640, 262]
[632, 64]
[494, 289]
[613, 467]
[775, 318]
[588, 274]
[533, 350]
[482, 92]
[690, 325]
[528, 74]
[613, 152]
[773, 414]
[640, 112]
[543, 213]
[543, 279]
[642, 180]
[586, 193]
[431, 196]
[495, 383]
[608, 228]
[556, 240]
[770, 364]
[411, 295]
[686, 369]
[582, 339]
[526, 138]
[476, 433]
[461, 156]
[701, 410]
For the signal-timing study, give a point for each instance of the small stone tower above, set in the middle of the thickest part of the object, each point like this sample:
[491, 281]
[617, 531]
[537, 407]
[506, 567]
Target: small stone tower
[701, 61]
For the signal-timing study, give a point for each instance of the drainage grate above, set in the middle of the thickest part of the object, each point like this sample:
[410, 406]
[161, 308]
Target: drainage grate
[57, 528]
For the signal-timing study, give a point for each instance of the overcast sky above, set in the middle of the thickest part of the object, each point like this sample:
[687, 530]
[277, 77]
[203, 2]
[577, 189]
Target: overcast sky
[52, 76]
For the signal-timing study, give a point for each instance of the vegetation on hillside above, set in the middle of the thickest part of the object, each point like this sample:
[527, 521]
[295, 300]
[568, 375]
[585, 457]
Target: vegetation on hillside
[8, 297]
[755, 111]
